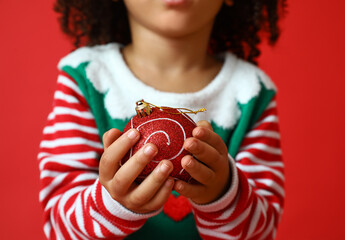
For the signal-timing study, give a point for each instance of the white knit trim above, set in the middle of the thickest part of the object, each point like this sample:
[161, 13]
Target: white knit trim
[237, 81]
[245, 81]
[227, 198]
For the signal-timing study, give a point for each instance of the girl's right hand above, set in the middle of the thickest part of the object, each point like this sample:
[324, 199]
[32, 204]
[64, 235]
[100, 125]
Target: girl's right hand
[153, 192]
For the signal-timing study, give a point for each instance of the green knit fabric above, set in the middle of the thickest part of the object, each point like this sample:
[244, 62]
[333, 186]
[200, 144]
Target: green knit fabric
[162, 226]
[95, 100]
[250, 113]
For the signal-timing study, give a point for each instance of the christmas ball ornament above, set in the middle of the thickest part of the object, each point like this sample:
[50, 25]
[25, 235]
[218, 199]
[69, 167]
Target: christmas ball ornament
[165, 127]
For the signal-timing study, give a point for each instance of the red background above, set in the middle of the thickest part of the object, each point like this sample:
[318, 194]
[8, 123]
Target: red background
[307, 65]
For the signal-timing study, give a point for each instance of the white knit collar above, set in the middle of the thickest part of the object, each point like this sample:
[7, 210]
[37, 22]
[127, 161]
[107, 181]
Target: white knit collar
[110, 75]
[121, 72]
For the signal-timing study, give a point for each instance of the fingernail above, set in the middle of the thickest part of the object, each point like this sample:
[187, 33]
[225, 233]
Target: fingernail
[132, 134]
[198, 132]
[149, 150]
[191, 145]
[165, 168]
[179, 187]
[189, 163]
[169, 182]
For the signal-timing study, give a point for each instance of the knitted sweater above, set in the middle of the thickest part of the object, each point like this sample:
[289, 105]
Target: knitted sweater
[96, 91]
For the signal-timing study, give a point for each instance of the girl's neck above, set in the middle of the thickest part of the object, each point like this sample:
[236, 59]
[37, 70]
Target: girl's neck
[170, 63]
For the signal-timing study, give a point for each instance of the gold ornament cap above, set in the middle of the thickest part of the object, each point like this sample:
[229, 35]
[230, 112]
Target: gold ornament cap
[143, 109]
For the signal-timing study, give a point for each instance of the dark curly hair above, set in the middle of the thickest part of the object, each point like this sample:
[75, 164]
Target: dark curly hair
[238, 28]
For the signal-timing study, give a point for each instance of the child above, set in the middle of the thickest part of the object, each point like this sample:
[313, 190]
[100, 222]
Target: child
[178, 53]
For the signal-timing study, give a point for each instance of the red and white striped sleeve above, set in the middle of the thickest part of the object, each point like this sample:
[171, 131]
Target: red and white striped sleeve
[252, 207]
[76, 205]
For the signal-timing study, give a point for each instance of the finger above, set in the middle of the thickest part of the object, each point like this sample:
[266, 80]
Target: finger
[162, 195]
[211, 138]
[205, 124]
[110, 136]
[192, 191]
[138, 205]
[126, 175]
[197, 170]
[202, 151]
[109, 163]
[149, 187]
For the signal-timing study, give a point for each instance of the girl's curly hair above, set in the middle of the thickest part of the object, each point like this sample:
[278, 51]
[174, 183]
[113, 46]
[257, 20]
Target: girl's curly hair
[237, 28]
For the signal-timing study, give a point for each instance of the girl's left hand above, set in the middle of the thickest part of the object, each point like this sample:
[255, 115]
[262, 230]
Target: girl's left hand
[209, 166]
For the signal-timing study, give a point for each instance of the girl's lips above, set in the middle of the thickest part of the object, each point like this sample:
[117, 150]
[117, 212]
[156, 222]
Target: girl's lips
[175, 3]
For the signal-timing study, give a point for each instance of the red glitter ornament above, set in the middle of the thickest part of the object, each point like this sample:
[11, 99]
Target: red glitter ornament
[165, 127]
